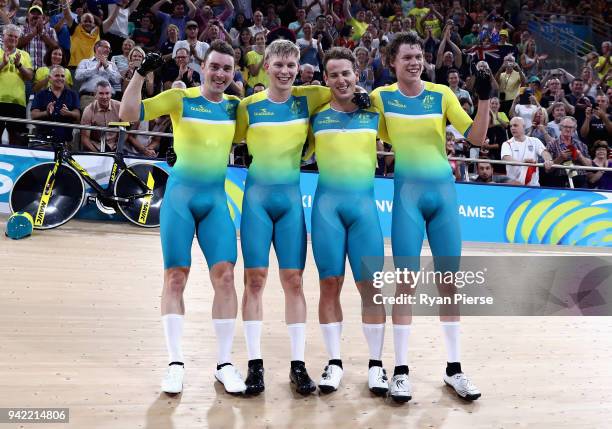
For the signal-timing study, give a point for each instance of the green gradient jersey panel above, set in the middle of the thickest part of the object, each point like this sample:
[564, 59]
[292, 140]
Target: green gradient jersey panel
[345, 146]
[203, 131]
[275, 133]
[416, 128]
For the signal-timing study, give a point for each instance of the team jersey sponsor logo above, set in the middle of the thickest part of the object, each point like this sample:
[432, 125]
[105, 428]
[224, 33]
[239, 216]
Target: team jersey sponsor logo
[200, 109]
[328, 120]
[396, 103]
[263, 112]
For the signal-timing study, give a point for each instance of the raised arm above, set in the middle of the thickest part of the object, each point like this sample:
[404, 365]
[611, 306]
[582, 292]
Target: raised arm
[457, 52]
[108, 22]
[130, 102]
[346, 10]
[227, 12]
[482, 87]
[440, 55]
[155, 8]
[67, 16]
[134, 5]
[191, 9]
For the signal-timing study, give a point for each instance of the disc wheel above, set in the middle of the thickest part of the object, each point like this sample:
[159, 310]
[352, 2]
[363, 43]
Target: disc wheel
[143, 211]
[66, 199]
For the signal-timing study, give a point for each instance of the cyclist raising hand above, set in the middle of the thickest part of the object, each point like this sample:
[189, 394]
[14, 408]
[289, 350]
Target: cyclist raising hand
[203, 120]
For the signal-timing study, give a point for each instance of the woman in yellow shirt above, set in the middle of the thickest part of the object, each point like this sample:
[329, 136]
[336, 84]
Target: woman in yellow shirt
[53, 57]
[254, 62]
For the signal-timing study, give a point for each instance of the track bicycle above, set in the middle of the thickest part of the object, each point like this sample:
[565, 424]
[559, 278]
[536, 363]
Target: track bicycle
[53, 192]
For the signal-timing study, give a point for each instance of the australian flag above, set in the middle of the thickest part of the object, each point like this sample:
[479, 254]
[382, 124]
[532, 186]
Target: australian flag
[492, 54]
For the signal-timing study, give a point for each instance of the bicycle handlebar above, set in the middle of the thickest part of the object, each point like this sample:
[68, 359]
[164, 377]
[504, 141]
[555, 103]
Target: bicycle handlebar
[36, 141]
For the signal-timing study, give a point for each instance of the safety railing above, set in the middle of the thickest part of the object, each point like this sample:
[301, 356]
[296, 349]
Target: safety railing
[231, 159]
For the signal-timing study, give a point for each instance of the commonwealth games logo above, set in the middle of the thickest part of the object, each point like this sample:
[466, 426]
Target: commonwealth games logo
[542, 216]
[428, 102]
[296, 106]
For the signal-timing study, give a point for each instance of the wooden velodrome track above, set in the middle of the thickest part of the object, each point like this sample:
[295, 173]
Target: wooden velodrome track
[80, 328]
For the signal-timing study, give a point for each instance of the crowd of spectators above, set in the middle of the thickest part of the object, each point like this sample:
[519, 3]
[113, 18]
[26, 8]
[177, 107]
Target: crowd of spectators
[69, 61]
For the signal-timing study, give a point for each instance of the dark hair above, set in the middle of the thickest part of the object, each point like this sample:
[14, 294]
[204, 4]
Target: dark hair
[600, 143]
[221, 47]
[404, 38]
[345, 31]
[259, 84]
[464, 100]
[453, 70]
[242, 61]
[245, 23]
[339, 53]
[182, 49]
[47, 57]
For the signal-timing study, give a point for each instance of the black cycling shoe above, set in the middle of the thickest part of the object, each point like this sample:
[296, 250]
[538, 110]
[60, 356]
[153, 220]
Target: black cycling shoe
[255, 378]
[299, 376]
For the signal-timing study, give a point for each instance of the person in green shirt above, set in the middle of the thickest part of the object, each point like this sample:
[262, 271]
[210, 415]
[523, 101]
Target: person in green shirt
[471, 39]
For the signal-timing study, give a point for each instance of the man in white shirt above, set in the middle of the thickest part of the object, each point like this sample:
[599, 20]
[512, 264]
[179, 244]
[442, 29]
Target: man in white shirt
[119, 30]
[522, 148]
[91, 71]
[257, 26]
[196, 48]
[310, 49]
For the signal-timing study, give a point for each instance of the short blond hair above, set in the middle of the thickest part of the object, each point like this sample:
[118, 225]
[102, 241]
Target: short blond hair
[282, 48]
[136, 49]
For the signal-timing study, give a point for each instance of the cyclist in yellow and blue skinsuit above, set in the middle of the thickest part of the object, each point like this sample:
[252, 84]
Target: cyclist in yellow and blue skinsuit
[274, 124]
[204, 122]
[416, 113]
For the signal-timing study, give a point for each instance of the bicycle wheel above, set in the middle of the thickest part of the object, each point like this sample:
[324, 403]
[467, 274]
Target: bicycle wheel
[142, 211]
[67, 195]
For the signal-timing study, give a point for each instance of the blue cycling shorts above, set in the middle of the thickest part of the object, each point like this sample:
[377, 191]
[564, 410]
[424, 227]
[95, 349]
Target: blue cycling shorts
[420, 206]
[273, 214]
[346, 223]
[190, 208]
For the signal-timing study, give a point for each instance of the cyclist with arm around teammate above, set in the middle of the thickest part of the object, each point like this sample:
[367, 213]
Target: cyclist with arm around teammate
[203, 120]
[344, 215]
[274, 123]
